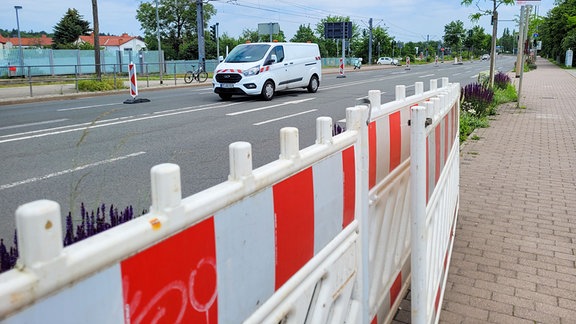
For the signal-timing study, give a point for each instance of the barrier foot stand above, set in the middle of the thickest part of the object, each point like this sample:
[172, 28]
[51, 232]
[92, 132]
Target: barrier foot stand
[136, 100]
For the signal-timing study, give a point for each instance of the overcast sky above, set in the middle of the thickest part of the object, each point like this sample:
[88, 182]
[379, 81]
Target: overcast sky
[405, 20]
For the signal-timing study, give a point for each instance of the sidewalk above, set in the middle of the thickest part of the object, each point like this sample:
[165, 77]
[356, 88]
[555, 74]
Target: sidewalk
[515, 245]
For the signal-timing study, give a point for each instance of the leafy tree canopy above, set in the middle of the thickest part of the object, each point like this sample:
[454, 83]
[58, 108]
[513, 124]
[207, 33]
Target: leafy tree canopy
[70, 27]
[454, 34]
[558, 30]
[178, 28]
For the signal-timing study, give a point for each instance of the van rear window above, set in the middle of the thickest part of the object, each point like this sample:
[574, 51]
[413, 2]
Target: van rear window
[247, 53]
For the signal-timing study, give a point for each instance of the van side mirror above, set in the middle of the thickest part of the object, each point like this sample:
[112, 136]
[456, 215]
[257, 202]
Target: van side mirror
[220, 58]
[272, 59]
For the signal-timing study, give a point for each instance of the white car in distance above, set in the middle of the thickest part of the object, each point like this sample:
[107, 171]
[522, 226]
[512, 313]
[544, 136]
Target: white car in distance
[387, 61]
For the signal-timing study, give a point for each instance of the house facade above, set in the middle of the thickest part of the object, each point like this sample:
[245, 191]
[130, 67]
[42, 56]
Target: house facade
[27, 42]
[123, 42]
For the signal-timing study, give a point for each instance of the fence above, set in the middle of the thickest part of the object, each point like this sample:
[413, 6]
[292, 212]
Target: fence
[321, 235]
[49, 62]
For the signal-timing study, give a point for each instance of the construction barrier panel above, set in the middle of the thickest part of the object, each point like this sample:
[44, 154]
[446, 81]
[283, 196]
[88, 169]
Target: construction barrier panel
[321, 235]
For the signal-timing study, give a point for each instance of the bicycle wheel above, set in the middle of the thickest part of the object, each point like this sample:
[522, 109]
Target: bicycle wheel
[188, 77]
[202, 76]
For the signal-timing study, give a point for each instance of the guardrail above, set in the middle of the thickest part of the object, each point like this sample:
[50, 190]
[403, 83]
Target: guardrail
[39, 75]
[322, 235]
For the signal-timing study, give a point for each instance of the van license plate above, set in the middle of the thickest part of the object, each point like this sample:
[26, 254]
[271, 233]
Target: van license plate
[227, 85]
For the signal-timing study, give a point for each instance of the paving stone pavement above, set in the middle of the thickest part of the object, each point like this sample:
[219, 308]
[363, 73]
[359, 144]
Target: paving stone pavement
[515, 244]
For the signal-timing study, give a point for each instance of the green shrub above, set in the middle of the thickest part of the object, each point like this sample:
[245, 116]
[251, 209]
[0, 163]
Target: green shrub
[469, 122]
[508, 94]
[95, 85]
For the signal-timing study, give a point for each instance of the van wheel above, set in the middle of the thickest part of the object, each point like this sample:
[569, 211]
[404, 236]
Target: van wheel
[225, 96]
[313, 84]
[268, 90]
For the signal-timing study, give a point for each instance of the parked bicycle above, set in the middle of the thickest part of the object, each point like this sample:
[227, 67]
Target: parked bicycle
[199, 75]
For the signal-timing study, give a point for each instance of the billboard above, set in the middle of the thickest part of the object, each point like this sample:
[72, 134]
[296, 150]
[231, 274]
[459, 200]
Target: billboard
[338, 30]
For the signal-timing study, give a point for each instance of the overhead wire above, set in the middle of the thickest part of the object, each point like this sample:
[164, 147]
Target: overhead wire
[310, 12]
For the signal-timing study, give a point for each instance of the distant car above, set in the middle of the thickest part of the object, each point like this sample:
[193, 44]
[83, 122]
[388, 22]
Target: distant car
[485, 57]
[387, 61]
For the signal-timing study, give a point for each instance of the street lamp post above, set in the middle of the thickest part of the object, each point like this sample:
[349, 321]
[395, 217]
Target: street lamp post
[160, 65]
[19, 40]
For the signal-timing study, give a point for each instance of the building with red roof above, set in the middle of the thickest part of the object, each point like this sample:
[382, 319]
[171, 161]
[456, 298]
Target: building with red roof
[123, 42]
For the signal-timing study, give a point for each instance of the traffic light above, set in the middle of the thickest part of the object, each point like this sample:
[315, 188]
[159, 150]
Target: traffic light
[213, 33]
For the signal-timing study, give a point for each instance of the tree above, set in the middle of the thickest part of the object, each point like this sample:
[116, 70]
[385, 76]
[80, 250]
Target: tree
[454, 34]
[379, 37]
[178, 30]
[507, 41]
[249, 36]
[70, 27]
[227, 42]
[476, 40]
[494, 14]
[558, 30]
[304, 34]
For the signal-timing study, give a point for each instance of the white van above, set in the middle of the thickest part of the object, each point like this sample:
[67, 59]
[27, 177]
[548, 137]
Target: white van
[264, 68]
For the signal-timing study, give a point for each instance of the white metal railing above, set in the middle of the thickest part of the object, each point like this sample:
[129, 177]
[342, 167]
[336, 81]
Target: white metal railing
[434, 168]
[322, 235]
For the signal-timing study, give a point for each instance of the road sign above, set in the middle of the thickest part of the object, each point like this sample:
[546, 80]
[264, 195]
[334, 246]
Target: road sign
[338, 30]
[528, 2]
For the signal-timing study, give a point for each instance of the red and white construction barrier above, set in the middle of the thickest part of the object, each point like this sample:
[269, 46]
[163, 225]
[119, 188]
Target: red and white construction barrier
[341, 69]
[133, 86]
[326, 234]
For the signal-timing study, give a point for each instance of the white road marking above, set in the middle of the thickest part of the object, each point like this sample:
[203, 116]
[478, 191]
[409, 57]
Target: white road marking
[427, 75]
[52, 175]
[87, 107]
[102, 123]
[34, 124]
[269, 107]
[284, 117]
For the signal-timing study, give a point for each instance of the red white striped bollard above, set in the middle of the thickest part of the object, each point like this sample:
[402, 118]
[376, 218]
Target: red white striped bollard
[341, 74]
[407, 62]
[133, 81]
[133, 86]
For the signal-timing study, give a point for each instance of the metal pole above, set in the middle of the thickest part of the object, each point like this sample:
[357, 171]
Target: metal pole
[524, 32]
[419, 258]
[370, 43]
[217, 44]
[520, 42]
[160, 65]
[19, 40]
[271, 24]
[200, 27]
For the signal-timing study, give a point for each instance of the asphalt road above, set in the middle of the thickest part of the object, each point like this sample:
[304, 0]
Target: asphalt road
[98, 150]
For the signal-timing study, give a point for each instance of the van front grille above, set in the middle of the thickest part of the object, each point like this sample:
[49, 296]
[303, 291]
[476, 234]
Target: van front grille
[228, 77]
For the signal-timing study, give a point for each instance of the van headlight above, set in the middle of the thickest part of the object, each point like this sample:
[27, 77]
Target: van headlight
[252, 71]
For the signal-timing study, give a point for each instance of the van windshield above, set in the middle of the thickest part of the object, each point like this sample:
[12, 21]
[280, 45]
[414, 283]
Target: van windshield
[247, 53]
